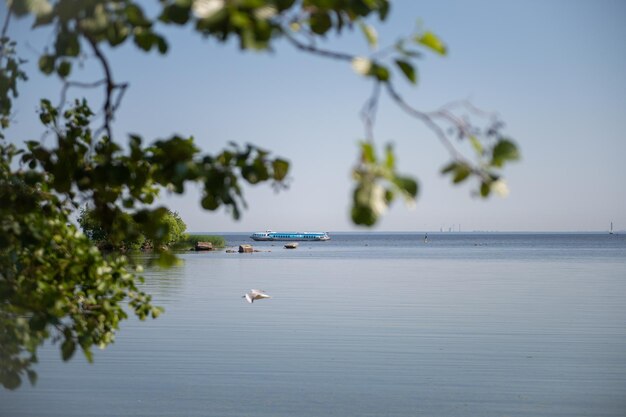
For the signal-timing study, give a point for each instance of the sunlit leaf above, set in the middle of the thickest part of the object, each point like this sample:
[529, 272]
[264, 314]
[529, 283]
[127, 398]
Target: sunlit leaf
[390, 159]
[478, 147]
[370, 34]
[368, 152]
[432, 41]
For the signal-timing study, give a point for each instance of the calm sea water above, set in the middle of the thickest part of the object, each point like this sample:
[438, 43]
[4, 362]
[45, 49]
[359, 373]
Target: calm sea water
[365, 325]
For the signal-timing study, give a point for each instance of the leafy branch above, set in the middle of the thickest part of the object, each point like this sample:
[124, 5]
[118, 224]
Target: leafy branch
[52, 278]
[492, 150]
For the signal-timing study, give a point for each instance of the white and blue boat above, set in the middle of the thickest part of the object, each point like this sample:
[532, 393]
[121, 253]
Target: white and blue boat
[302, 236]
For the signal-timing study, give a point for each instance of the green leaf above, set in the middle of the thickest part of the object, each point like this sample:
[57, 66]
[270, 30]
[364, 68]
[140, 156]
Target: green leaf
[432, 41]
[449, 168]
[116, 33]
[10, 379]
[176, 13]
[478, 147]
[408, 70]
[64, 69]
[136, 17]
[43, 19]
[370, 34]
[505, 150]
[46, 64]
[67, 349]
[162, 45]
[485, 189]
[383, 9]
[320, 22]
[88, 354]
[35, 7]
[32, 376]
[461, 173]
[281, 167]
[145, 39]
[67, 44]
[156, 312]
[363, 215]
[368, 153]
[390, 159]
[407, 184]
[209, 202]
[380, 72]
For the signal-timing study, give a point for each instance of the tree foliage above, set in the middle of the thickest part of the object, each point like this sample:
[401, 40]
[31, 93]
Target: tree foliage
[92, 227]
[54, 284]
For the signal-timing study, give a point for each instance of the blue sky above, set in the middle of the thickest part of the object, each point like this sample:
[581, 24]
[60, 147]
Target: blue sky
[555, 71]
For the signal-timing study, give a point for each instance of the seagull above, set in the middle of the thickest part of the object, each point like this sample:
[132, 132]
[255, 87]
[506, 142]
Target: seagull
[255, 295]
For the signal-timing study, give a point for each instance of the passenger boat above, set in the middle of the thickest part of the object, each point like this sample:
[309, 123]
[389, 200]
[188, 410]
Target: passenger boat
[303, 236]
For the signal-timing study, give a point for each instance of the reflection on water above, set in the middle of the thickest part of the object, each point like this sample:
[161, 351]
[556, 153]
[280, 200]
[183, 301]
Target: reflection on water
[487, 325]
[164, 284]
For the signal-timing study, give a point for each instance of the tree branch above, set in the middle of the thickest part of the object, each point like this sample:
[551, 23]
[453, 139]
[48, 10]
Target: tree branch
[368, 113]
[315, 50]
[68, 84]
[110, 85]
[427, 120]
[5, 26]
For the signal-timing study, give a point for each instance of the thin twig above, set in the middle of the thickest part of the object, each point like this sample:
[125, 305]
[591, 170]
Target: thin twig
[368, 113]
[68, 84]
[315, 50]
[5, 26]
[122, 87]
[467, 104]
[110, 86]
[427, 120]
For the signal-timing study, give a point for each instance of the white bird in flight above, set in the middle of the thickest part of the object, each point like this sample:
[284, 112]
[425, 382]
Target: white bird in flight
[255, 295]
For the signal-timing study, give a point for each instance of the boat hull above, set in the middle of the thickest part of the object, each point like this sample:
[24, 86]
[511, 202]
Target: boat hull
[289, 237]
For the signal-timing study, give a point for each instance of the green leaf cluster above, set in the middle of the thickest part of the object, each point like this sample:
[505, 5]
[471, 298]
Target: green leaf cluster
[490, 160]
[401, 56]
[54, 283]
[378, 184]
[10, 74]
[189, 240]
[89, 22]
[93, 228]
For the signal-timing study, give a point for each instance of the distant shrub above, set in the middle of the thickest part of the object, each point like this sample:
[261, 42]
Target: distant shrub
[189, 240]
[172, 229]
